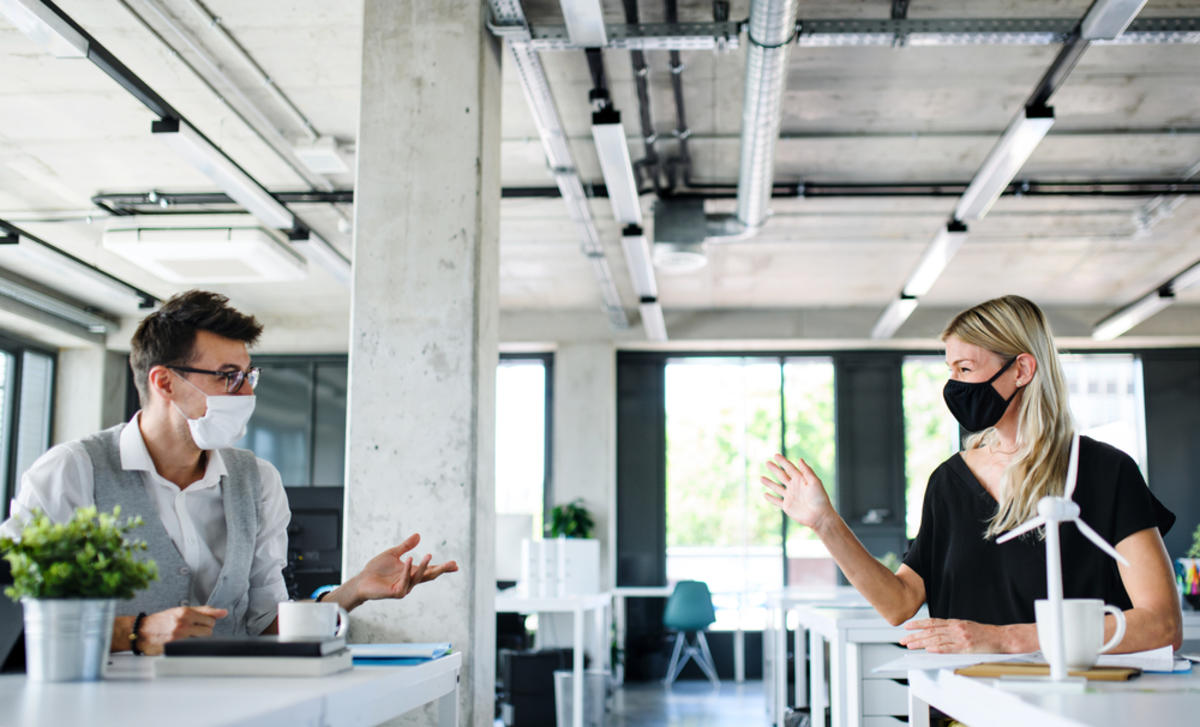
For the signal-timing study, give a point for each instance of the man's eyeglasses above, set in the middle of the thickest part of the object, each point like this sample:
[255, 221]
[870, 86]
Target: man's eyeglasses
[233, 379]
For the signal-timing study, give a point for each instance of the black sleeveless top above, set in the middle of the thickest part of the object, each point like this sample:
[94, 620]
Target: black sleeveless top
[968, 576]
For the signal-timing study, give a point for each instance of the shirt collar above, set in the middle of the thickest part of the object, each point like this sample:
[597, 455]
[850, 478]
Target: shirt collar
[135, 456]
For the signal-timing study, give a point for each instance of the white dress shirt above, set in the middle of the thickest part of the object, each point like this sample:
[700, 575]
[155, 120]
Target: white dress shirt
[61, 480]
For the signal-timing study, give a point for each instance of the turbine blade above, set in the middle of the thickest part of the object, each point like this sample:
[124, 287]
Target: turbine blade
[1100, 542]
[1022, 529]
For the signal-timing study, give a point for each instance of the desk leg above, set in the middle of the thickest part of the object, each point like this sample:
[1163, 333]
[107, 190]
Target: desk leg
[447, 709]
[739, 655]
[852, 669]
[801, 696]
[779, 670]
[577, 686]
[918, 711]
[818, 689]
[837, 683]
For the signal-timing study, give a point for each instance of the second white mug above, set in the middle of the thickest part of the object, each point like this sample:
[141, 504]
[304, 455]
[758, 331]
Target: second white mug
[311, 620]
[1083, 629]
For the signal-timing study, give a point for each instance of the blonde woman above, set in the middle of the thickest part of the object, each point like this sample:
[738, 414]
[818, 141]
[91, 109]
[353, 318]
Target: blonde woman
[1007, 386]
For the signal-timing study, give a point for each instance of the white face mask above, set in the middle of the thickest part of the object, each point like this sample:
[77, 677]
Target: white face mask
[223, 423]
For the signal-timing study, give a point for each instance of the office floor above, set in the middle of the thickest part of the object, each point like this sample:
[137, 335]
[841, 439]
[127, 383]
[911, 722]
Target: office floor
[691, 703]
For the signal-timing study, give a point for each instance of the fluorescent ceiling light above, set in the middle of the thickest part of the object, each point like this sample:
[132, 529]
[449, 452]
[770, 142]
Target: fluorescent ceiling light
[616, 167]
[585, 23]
[205, 254]
[936, 257]
[1003, 162]
[45, 27]
[640, 262]
[1107, 19]
[318, 250]
[74, 278]
[893, 317]
[1187, 279]
[1132, 314]
[224, 173]
[652, 319]
[54, 306]
[323, 156]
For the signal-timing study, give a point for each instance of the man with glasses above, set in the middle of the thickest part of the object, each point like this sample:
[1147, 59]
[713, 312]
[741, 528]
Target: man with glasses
[215, 517]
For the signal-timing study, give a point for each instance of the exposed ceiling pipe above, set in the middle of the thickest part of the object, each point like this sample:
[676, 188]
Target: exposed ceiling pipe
[770, 31]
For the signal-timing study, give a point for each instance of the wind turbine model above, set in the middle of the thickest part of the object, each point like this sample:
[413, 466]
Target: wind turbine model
[1053, 511]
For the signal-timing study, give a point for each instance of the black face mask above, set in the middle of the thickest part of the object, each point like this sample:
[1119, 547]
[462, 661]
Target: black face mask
[977, 405]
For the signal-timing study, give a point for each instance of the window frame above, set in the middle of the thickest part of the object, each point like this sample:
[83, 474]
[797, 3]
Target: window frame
[16, 346]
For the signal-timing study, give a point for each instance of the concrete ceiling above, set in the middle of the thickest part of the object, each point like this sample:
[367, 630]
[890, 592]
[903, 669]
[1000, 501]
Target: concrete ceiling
[821, 270]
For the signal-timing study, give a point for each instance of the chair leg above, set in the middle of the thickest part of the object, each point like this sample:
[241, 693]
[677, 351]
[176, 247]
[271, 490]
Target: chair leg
[706, 661]
[671, 673]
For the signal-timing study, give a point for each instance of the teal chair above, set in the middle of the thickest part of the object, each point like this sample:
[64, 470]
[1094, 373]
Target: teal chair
[690, 611]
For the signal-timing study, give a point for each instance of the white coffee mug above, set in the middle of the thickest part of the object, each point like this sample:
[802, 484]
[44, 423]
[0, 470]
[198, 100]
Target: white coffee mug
[1083, 629]
[312, 620]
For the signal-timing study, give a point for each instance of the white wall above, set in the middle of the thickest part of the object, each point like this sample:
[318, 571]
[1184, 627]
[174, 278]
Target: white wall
[90, 388]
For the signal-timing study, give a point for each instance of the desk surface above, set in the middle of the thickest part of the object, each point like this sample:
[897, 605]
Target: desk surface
[1158, 699]
[130, 697]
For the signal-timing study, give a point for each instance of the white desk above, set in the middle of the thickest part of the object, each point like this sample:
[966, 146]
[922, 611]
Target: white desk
[1158, 699]
[780, 604]
[510, 601]
[859, 640]
[130, 697]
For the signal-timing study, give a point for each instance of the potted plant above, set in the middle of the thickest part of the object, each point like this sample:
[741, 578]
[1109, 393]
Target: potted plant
[69, 577]
[571, 520]
[1187, 572]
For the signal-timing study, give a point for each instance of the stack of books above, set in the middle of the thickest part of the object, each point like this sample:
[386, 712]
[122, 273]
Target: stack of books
[254, 656]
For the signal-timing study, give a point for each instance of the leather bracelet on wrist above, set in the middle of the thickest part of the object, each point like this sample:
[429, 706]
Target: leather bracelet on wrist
[135, 634]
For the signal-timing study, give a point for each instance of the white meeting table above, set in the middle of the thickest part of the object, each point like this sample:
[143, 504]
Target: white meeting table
[130, 696]
[1151, 699]
[512, 601]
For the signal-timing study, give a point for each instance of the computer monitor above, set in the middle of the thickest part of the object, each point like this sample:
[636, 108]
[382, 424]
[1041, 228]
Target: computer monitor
[314, 539]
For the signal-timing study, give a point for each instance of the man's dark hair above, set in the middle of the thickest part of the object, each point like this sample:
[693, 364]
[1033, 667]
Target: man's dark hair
[168, 336]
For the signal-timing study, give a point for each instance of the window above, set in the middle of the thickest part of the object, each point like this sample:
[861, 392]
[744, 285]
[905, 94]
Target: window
[299, 422]
[26, 410]
[522, 454]
[1107, 404]
[725, 417]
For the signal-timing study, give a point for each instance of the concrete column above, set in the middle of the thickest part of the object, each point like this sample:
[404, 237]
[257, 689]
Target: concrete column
[424, 309]
[90, 391]
[585, 454]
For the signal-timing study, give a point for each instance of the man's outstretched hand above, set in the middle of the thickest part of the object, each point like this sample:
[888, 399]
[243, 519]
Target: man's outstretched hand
[392, 575]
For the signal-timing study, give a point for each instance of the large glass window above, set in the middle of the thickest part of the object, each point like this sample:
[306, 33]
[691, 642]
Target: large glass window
[521, 456]
[26, 411]
[1107, 404]
[725, 417]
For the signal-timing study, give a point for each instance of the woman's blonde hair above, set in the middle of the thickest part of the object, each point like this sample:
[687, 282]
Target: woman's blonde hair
[1009, 326]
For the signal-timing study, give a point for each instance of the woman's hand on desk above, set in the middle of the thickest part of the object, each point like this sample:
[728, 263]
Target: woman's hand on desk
[955, 636]
[391, 575]
[798, 492]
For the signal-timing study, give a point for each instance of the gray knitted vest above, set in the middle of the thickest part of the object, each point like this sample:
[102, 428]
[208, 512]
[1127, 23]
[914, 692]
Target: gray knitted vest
[240, 495]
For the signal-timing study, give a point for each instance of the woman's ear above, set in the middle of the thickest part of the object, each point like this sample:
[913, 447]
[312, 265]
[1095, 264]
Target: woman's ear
[1026, 368]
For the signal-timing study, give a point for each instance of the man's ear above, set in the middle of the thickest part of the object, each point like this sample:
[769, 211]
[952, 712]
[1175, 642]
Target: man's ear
[159, 381]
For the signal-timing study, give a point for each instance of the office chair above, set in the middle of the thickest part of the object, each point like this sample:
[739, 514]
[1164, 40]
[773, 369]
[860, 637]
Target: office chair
[690, 611]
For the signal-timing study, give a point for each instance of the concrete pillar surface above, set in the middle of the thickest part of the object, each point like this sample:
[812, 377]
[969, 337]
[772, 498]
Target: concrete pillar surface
[424, 309]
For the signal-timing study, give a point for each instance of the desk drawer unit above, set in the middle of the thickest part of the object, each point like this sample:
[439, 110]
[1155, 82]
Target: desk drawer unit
[885, 693]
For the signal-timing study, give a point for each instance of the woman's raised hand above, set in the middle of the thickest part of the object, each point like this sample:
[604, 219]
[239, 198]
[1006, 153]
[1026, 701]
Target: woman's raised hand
[798, 491]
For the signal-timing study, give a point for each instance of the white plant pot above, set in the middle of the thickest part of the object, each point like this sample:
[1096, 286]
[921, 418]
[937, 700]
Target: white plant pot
[67, 639]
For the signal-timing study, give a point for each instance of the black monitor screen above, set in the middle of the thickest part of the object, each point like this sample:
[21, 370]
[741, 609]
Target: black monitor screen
[314, 538]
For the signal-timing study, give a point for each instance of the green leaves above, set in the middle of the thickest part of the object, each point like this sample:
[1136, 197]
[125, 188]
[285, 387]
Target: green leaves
[571, 521]
[89, 556]
[1194, 551]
